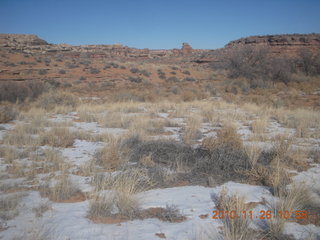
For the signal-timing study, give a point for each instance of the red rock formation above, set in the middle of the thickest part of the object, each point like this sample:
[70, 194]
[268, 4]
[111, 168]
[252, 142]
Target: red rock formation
[186, 48]
[288, 44]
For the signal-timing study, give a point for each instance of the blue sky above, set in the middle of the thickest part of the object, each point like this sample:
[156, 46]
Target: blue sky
[157, 24]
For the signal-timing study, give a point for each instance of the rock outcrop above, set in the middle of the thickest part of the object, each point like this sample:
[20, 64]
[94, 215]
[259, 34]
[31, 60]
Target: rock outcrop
[20, 40]
[281, 44]
[31, 44]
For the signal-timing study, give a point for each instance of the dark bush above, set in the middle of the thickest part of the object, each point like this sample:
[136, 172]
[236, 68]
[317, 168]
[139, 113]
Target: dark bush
[173, 79]
[115, 65]
[71, 65]
[42, 71]
[227, 158]
[135, 79]
[175, 90]
[53, 83]
[190, 79]
[211, 89]
[225, 162]
[94, 71]
[7, 113]
[145, 73]
[85, 62]
[186, 72]
[161, 74]
[107, 66]
[47, 61]
[12, 91]
[134, 70]
[309, 62]
[246, 61]
[62, 71]
[258, 64]
[164, 152]
[67, 85]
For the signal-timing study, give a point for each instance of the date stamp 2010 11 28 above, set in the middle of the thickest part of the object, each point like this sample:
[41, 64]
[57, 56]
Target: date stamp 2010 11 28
[260, 215]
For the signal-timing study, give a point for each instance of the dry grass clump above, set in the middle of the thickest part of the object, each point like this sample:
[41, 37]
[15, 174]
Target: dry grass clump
[254, 152]
[122, 199]
[27, 128]
[110, 157]
[281, 145]
[291, 200]
[303, 120]
[192, 130]
[149, 126]
[8, 206]
[237, 228]
[101, 205]
[50, 100]
[227, 135]
[116, 120]
[62, 190]
[7, 113]
[267, 167]
[259, 127]
[87, 117]
[36, 117]
[41, 209]
[20, 138]
[54, 160]
[9, 154]
[58, 137]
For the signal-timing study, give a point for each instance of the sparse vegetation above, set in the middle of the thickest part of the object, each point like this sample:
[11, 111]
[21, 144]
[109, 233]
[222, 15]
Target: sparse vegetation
[12, 91]
[57, 137]
[62, 190]
[127, 135]
[50, 100]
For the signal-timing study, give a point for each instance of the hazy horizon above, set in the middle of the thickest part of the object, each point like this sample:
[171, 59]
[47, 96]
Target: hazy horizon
[164, 24]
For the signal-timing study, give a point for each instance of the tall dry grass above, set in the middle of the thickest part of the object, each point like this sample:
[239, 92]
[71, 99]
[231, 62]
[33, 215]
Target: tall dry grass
[235, 228]
[123, 198]
[291, 200]
[57, 137]
[191, 132]
[111, 156]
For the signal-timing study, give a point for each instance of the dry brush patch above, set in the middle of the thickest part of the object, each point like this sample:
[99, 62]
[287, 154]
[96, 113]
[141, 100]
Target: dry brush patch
[62, 190]
[111, 156]
[7, 113]
[58, 137]
[259, 127]
[8, 206]
[191, 131]
[122, 199]
[234, 228]
[225, 158]
[292, 200]
[52, 99]
[16, 137]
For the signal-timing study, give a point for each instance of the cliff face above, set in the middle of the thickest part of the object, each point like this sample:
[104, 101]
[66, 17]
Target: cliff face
[31, 44]
[281, 44]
